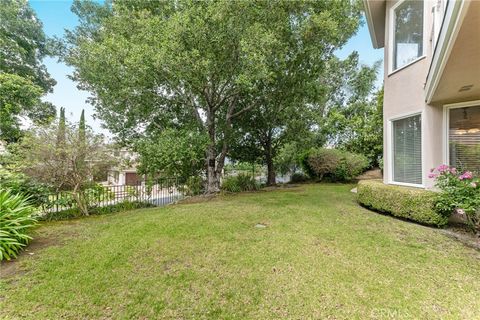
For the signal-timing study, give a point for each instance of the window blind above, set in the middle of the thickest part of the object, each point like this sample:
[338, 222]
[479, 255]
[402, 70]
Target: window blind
[464, 138]
[407, 150]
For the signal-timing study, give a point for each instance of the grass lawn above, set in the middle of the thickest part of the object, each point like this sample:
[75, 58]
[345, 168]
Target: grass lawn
[320, 256]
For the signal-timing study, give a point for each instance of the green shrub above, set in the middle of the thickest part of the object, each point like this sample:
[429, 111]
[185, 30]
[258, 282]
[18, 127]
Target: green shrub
[460, 191]
[122, 206]
[403, 202]
[67, 214]
[98, 193]
[333, 164]
[15, 222]
[239, 183]
[298, 177]
[194, 186]
[73, 213]
[19, 183]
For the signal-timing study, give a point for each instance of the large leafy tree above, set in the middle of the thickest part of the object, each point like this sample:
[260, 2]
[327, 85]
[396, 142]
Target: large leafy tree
[198, 63]
[353, 116]
[23, 77]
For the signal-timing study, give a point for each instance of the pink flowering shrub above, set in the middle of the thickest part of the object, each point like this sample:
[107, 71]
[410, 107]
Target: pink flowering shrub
[459, 191]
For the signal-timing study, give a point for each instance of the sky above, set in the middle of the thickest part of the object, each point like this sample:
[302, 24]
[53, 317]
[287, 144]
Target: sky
[56, 17]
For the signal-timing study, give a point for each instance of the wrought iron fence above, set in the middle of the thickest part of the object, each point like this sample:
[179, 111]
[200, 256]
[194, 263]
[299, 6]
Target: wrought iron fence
[159, 192]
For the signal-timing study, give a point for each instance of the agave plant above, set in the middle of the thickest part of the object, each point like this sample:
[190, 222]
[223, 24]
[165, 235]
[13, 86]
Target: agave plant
[15, 221]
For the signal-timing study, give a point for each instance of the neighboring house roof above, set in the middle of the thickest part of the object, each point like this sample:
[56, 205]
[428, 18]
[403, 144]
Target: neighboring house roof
[375, 15]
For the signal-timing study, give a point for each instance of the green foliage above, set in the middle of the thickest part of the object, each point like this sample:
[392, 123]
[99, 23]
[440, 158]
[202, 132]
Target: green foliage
[289, 157]
[23, 78]
[203, 65]
[240, 183]
[194, 186]
[62, 166]
[354, 110]
[459, 191]
[173, 153]
[23, 43]
[19, 183]
[333, 164]
[74, 213]
[299, 177]
[410, 203]
[18, 97]
[97, 193]
[15, 222]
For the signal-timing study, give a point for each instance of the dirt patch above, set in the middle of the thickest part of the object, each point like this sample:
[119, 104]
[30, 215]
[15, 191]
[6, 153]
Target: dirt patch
[40, 241]
[464, 236]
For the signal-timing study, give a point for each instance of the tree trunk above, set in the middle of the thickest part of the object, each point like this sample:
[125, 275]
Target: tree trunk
[271, 175]
[213, 181]
[79, 197]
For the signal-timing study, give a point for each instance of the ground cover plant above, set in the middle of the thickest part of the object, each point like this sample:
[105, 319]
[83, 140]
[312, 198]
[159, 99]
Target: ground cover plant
[16, 220]
[318, 255]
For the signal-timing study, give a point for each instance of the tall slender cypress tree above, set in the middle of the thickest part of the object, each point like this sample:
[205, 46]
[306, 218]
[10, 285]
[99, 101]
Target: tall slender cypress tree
[82, 139]
[61, 129]
[82, 129]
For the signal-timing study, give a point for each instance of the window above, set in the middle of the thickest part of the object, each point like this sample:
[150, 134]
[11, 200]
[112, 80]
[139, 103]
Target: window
[407, 150]
[407, 32]
[464, 138]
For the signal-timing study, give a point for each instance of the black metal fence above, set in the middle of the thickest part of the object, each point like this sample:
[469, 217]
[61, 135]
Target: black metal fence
[159, 192]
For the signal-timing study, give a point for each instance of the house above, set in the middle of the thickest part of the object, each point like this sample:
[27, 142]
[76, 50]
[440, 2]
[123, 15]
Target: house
[125, 173]
[432, 85]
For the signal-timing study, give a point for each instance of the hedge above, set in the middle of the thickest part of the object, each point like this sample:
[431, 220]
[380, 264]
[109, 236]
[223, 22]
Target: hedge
[403, 202]
[333, 164]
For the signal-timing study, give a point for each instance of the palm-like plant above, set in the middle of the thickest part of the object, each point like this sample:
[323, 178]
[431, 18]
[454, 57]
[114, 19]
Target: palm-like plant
[15, 221]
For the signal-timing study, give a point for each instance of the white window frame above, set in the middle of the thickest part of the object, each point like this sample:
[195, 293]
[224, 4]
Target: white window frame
[446, 125]
[391, 146]
[391, 36]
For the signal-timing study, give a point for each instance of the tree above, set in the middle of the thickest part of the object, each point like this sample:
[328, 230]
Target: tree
[18, 96]
[23, 77]
[82, 138]
[23, 43]
[61, 131]
[353, 117]
[190, 64]
[173, 153]
[284, 115]
[64, 168]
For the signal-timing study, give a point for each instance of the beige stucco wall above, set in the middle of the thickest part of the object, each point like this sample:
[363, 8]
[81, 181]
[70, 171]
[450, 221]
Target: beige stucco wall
[404, 94]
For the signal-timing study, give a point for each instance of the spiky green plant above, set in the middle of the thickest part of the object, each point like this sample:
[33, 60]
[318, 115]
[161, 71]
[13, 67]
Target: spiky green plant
[15, 222]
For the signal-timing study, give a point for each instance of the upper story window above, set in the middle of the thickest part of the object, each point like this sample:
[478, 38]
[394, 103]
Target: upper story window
[407, 32]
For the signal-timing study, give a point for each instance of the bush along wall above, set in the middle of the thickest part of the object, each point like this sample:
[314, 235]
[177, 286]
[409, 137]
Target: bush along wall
[333, 164]
[410, 203]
